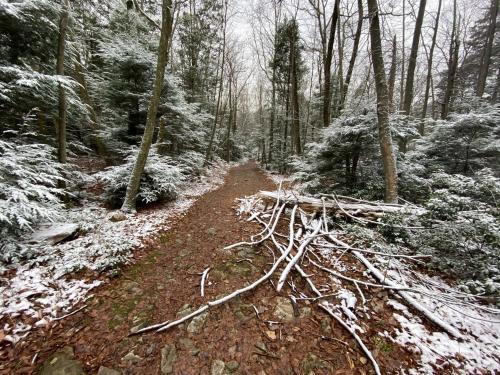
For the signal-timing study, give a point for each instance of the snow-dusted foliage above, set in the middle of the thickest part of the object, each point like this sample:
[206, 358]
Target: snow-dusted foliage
[345, 158]
[452, 171]
[29, 191]
[161, 179]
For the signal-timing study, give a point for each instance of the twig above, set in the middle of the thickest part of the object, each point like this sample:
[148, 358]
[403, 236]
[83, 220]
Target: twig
[71, 313]
[202, 283]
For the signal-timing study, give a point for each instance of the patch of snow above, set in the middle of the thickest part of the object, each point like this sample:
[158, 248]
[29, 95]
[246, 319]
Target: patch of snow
[478, 351]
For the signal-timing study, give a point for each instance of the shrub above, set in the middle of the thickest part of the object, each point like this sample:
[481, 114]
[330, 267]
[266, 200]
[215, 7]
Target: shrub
[29, 175]
[160, 181]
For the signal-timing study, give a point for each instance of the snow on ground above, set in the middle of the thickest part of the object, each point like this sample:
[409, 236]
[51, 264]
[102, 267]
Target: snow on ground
[478, 350]
[43, 287]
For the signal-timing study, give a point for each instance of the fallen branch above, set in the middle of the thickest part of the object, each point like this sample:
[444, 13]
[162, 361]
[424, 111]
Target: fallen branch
[71, 313]
[325, 307]
[407, 298]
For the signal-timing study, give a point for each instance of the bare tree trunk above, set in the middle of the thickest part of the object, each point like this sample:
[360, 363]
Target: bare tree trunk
[429, 68]
[296, 146]
[61, 123]
[384, 131]
[230, 118]
[486, 55]
[340, 76]
[135, 178]
[354, 54]
[208, 155]
[403, 59]
[494, 97]
[412, 63]
[327, 95]
[392, 73]
[452, 65]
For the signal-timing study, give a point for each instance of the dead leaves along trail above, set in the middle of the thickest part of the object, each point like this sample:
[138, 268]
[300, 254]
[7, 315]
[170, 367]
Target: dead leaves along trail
[259, 332]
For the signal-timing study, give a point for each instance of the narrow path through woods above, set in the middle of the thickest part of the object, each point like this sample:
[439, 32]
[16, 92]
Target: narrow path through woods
[165, 283]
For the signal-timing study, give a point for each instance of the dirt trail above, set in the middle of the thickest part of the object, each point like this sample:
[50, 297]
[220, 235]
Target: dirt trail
[164, 284]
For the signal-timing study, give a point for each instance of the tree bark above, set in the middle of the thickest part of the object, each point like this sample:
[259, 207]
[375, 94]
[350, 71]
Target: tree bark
[486, 55]
[392, 73]
[403, 59]
[412, 62]
[429, 68]
[452, 65]
[296, 146]
[354, 54]
[129, 203]
[208, 155]
[384, 131]
[62, 105]
[327, 66]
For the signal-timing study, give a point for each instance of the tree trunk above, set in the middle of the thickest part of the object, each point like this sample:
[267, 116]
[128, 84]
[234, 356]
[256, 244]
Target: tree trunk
[354, 54]
[340, 75]
[384, 131]
[208, 155]
[135, 178]
[429, 68]
[486, 55]
[403, 59]
[327, 66]
[392, 73]
[296, 146]
[62, 105]
[412, 63]
[230, 119]
[452, 65]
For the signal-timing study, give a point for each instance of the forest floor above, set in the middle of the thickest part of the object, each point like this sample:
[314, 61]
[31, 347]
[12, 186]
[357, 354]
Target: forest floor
[164, 282]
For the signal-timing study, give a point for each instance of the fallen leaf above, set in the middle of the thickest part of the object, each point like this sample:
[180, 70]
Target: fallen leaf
[271, 335]
[2, 334]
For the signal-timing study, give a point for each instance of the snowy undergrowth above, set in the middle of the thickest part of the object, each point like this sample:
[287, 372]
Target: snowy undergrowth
[45, 287]
[476, 352]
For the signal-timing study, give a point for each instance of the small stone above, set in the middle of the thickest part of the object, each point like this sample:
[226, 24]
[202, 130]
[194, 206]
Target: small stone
[211, 231]
[168, 358]
[131, 357]
[62, 363]
[284, 309]
[183, 311]
[217, 367]
[117, 216]
[197, 323]
[260, 345]
[189, 345]
[325, 325]
[107, 371]
[305, 311]
[231, 366]
[363, 360]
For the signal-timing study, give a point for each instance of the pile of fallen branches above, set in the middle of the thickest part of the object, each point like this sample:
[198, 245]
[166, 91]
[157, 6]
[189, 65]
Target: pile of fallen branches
[302, 251]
